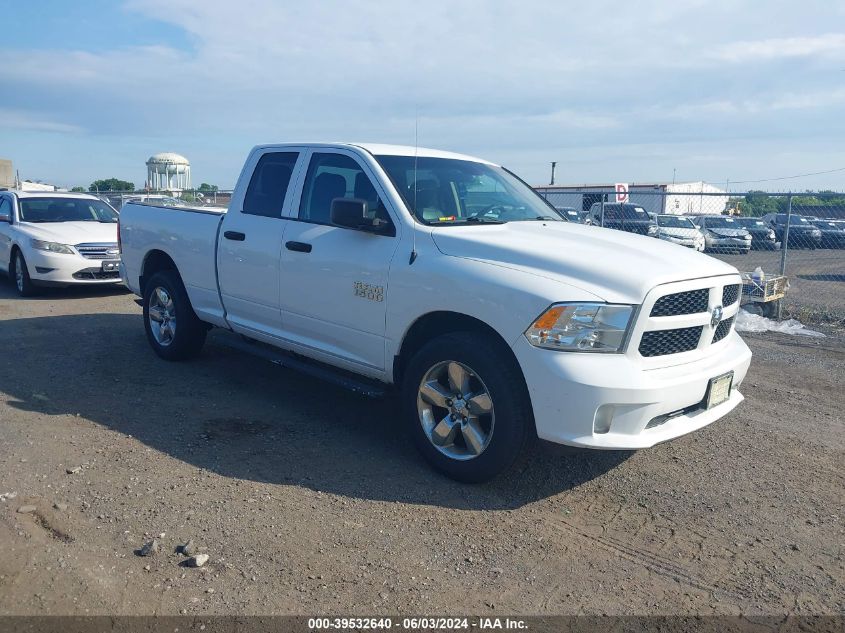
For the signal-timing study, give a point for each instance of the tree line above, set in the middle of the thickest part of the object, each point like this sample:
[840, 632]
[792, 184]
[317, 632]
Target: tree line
[758, 203]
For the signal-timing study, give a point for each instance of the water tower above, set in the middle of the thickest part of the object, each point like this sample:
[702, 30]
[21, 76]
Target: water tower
[168, 172]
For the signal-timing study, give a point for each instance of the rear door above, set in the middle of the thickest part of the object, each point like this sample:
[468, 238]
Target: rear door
[334, 288]
[5, 233]
[250, 243]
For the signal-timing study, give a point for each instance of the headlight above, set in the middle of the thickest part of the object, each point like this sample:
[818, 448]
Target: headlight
[653, 230]
[53, 247]
[816, 233]
[581, 327]
[771, 235]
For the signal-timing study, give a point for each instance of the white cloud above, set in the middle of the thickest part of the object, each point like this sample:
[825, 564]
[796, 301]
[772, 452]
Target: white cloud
[20, 120]
[784, 47]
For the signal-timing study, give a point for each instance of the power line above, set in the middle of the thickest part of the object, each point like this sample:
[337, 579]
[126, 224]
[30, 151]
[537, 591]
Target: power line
[815, 173]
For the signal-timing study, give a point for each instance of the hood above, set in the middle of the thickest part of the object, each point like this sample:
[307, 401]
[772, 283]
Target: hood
[728, 232]
[71, 232]
[616, 266]
[675, 231]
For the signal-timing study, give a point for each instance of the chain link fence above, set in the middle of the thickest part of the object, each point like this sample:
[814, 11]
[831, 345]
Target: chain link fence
[790, 246]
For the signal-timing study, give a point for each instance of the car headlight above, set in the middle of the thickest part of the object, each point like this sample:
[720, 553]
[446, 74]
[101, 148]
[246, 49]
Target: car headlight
[53, 247]
[653, 230]
[816, 233]
[771, 235]
[581, 327]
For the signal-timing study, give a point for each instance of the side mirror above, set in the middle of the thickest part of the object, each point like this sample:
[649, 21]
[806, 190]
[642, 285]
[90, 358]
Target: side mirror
[4, 217]
[351, 213]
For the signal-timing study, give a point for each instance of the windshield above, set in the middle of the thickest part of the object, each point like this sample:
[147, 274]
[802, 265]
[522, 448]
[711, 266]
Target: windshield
[446, 191]
[65, 210]
[674, 222]
[721, 223]
[750, 223]
[622, 212]
[570, 213]
[793, 219]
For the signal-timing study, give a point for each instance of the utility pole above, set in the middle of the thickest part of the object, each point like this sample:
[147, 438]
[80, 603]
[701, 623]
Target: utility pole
[554, 166]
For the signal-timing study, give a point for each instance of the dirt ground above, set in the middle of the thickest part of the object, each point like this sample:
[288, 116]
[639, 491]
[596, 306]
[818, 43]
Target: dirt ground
[309, 500]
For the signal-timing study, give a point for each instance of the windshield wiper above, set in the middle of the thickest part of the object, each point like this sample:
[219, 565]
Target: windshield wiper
[476, 218]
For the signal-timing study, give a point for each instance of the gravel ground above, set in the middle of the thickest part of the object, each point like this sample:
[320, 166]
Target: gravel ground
[307, 498]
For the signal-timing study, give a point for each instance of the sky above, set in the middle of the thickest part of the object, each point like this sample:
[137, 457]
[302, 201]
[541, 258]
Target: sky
[733, 92]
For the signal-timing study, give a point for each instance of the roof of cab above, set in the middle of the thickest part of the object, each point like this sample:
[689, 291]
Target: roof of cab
[379, 149]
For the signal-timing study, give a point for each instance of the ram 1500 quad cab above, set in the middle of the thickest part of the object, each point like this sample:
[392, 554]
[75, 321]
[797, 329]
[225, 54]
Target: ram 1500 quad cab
[497, 320]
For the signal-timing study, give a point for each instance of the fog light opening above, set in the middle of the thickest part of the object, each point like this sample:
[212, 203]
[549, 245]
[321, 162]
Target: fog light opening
[603, 418]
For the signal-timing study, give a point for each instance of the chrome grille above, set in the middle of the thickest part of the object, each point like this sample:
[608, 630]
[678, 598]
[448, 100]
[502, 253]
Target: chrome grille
[723, 329]
[665, 342]
[689, 302]
[730, 294]
[102, 250]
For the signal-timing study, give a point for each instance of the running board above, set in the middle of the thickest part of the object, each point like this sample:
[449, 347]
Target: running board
[371, 389]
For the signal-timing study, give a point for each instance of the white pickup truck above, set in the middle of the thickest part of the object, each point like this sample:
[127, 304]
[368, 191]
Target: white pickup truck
[450, 278]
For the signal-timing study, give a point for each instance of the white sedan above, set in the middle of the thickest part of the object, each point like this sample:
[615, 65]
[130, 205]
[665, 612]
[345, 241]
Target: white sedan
[57, 239]
[680, 230]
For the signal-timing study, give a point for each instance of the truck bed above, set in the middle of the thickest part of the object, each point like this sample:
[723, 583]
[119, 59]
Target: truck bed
[188, 235]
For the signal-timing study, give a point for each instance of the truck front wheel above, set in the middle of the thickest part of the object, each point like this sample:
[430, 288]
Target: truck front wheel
[173, 329]
[466, 406]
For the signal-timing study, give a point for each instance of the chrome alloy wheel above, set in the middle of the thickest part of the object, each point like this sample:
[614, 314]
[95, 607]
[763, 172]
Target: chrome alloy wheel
[455, 410]
[162, 315]
[19, 272]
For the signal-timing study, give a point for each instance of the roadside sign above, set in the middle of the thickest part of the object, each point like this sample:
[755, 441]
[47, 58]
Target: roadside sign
[621, 192]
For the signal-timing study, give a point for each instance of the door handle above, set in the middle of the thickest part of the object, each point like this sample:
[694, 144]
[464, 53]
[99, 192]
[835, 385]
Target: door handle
[234, 235]
[299, 247]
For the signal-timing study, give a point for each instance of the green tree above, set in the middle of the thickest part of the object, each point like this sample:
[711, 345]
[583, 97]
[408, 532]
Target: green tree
[78, 189]
[206, 188]
[112, 184]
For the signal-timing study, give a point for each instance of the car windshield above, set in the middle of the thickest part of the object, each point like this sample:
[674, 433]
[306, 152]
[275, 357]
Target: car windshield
[721, 223]
[674, 222]
[65, 210]
[750, 223]
[793, 219]
[446, 191]
[622, 212]
[570, 213]
[827, 224]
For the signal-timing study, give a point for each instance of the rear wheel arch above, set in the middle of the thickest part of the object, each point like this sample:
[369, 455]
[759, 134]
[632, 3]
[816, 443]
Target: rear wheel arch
[155, 261]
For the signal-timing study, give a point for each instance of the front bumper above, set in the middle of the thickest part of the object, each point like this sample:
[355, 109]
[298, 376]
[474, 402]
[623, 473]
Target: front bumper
[689, 242]
[59, 269]
[606, 401]
[728, 243]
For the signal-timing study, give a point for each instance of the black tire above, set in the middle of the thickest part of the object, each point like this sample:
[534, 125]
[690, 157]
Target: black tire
[24, 285]
[189, 332]
[513, 430]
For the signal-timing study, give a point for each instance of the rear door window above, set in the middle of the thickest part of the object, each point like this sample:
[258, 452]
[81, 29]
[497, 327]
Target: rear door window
[268, 186]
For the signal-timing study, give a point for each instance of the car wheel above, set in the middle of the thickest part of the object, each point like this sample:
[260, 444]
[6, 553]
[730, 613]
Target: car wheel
[20, 276]
[467, 407]
[173, 329]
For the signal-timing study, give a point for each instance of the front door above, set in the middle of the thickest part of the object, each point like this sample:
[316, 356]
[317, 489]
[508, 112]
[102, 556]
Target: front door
[250, 244]
[334, 281]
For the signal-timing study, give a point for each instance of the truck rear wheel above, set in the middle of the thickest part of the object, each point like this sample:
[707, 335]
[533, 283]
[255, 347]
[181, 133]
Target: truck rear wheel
[173, 329]
[466, 406]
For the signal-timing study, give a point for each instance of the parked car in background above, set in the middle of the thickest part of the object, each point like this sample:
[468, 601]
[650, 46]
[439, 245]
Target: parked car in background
[497, 320]
[572, 214]
[622, 216]
[723, 233]
[802, 233]
[762, 236]
[679, 229]
[57, 239]
[832, 233]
